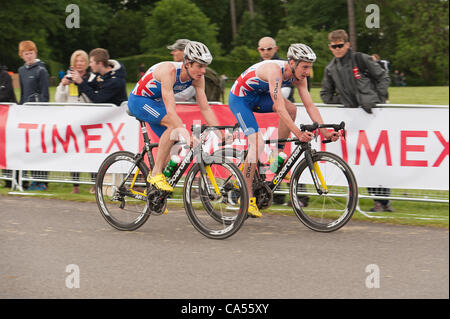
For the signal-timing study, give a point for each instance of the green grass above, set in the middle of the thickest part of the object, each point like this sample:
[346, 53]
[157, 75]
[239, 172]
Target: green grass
[406, 212]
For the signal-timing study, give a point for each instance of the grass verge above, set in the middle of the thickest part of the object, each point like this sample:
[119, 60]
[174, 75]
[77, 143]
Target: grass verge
[406, 212]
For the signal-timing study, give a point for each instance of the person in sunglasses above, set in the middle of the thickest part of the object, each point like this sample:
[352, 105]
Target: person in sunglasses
[258, 90]
[355, 79]
[352, 78]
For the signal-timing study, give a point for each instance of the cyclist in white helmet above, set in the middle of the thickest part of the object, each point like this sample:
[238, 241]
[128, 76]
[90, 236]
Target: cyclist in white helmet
[152, 100]
[258, 89]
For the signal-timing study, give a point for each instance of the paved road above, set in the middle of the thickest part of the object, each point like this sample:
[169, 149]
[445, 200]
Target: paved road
[272, 257]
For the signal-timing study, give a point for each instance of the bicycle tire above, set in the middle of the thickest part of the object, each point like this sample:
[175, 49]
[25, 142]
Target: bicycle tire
[131, 212]
[329, 211]
[215, 218]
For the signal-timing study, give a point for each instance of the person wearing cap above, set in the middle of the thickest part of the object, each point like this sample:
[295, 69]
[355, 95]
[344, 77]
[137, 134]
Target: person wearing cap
[153, 100]
[258, 89]
[177, 51]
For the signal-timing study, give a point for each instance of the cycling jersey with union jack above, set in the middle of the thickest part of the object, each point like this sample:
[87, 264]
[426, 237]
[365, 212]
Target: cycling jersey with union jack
[249, 84]
[149, 87]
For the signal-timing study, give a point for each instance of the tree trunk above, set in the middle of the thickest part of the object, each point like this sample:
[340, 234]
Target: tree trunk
[233, 19]
[351, 24]
[250, 8]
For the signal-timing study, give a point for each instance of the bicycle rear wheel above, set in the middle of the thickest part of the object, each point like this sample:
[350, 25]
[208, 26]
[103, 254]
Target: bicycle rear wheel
[333, 208]
[120, 191]
[214, 210]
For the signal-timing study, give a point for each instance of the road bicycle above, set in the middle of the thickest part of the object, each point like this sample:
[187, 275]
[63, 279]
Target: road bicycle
[126, 200]
[322, 187]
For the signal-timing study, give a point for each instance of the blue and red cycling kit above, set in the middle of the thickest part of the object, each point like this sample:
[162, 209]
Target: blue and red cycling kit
[251, 94]
[145, 101]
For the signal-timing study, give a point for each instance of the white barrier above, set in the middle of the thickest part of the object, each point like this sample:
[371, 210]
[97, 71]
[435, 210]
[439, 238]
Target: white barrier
[399, 146]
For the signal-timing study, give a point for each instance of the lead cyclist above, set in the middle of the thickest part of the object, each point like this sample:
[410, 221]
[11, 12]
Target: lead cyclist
[258, 89]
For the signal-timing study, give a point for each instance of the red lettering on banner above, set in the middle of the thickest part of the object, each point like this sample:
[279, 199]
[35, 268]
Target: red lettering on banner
[65, 143]
[88, 137]
[444, 152]
[115, 139]
[44, 147]
[27, 127]
[405, 148]
[4, 110]
[373, 155]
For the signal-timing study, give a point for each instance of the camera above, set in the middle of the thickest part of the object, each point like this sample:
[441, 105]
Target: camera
[69, 75]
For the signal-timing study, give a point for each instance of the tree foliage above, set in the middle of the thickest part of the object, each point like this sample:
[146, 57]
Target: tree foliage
[251, 30]
[413, 34]
[175, 19]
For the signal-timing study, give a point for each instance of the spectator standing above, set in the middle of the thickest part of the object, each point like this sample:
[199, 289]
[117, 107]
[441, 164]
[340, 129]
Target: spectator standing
[109, 85]
[402, 78]
[385, 65]
[6, 95]
[34, 83]
[67, 92]
[6, 87]
[355, 79]
[33, 75]
[396, 78]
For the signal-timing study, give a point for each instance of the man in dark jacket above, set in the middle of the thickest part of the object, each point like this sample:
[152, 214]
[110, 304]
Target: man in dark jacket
[6, 88]
[33, 75]
[110, 84]
[352, 78]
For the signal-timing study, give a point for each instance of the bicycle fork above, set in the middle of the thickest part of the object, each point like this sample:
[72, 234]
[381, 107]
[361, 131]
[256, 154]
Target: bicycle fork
[316, 174]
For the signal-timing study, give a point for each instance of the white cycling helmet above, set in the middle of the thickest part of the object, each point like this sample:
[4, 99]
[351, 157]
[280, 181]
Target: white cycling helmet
[301, 52]
[197, 52]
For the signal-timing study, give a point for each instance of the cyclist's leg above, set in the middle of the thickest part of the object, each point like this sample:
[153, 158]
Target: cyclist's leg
[154, 113]
[242, 109]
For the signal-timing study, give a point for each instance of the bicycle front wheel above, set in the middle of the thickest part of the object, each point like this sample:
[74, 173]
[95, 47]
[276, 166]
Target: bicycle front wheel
[120, 191]
[333, 208]
[218, 207]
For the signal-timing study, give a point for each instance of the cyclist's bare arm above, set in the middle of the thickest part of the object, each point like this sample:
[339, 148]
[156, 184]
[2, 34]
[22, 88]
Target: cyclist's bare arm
[202, 102]
[166, 74]
[272, 74]
[312, 110]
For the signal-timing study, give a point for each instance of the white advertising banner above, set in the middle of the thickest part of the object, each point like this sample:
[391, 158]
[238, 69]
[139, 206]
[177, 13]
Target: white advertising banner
[393, 147]
[67, 138]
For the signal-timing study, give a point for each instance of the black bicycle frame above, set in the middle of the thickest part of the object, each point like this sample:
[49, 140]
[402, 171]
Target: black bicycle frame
[183, 166]
[291, 160]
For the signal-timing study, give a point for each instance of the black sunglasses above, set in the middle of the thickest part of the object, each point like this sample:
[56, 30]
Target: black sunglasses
[335, 46]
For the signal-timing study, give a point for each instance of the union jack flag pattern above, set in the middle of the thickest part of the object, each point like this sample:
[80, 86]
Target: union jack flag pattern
[248, 83]
[149, 86]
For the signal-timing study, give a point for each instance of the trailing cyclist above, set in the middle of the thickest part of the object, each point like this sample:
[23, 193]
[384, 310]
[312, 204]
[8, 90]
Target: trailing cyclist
[258, 89]
[152, 100]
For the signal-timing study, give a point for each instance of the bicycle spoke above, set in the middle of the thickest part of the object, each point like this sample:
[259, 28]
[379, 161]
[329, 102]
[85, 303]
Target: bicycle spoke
[120, 191]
